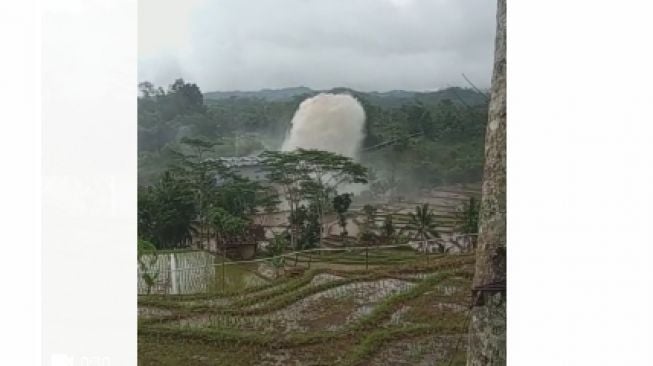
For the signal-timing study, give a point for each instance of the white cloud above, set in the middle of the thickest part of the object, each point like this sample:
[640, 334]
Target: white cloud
[164, 25]
[364, 44]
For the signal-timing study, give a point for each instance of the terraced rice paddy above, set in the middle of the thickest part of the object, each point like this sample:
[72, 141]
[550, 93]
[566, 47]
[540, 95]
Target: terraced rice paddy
[399, 311]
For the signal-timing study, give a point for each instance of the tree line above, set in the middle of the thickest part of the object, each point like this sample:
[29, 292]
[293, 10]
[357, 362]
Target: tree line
[200, 197]
[445, 126]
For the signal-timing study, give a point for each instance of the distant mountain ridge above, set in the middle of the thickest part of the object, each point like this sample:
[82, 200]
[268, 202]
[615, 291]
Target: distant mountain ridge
[462, 95]
[267, 94]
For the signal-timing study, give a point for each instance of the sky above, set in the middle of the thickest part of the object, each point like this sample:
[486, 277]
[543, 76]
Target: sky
[367, 45]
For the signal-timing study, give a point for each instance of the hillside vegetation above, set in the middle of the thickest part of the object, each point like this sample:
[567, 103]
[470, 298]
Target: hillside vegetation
[436, 137]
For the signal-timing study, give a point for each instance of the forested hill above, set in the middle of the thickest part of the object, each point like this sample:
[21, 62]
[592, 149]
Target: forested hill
[450, 124]
[272, 95]
[392, 97]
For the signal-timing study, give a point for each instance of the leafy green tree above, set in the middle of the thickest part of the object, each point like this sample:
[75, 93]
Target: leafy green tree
[166, 212]
[186, 97]
[197, 125]
[199, 147]
[146, 89]
[243, 198]
[161, 113]
[284, 169]
[228, 228]
[423, 224]
[341, 204]
[200, 175]
[306, 220]
[213, 185]
[418, 117]
[312, 175]
[239, 196]
[326, 172]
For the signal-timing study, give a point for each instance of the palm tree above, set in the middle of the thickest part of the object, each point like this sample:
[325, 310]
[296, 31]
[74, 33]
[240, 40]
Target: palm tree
[422, 222]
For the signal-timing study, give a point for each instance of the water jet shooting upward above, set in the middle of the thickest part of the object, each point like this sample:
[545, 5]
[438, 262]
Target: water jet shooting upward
[330, 122]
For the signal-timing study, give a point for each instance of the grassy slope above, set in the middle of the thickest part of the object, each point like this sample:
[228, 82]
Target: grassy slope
[161, 342]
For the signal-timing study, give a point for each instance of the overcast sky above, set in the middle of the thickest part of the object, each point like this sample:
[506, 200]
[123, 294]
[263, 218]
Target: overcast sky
[361, 44]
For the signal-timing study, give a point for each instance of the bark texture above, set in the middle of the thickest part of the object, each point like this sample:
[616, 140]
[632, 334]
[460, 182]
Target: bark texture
[487, 329]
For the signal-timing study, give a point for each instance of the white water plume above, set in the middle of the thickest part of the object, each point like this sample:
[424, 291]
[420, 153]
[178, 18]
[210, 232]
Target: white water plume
[330, 122]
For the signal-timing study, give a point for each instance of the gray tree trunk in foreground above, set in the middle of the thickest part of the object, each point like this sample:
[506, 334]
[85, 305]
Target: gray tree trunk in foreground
[487, 327]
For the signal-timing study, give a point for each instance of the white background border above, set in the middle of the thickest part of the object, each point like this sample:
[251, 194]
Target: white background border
[20, 188]
[580, 179]
[89, 182]
[580, 174]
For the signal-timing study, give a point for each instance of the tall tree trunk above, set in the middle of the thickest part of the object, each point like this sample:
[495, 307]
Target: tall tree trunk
[487, 328]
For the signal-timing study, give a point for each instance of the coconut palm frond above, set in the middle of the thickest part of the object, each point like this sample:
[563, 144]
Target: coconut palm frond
[423, 223]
